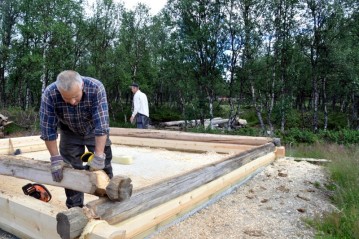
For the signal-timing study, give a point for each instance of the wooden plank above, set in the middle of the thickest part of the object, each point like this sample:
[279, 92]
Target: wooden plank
[25, 144]
[198, 137]
[181, 145]
[310, 160]
[103, 230]
[154, 195]
[80, 180]
[280, 152]
[27, 217]
[143, 224]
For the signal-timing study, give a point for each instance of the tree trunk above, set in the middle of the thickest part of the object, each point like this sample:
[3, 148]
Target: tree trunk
[257, 107]
[325, 104]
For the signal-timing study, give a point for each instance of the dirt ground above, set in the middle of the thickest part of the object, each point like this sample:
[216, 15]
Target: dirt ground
[272, 204]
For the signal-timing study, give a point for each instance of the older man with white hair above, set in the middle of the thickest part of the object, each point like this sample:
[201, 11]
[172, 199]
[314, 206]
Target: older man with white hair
[77, 105]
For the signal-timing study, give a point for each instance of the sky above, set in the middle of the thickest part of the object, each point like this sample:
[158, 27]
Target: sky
[154, 5]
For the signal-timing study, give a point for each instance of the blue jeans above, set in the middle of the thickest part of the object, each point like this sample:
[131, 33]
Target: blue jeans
[72, 146]
[142, 121]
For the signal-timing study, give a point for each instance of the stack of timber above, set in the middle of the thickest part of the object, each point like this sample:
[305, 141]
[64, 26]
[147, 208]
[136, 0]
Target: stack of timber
[215, 122]
[137, 212]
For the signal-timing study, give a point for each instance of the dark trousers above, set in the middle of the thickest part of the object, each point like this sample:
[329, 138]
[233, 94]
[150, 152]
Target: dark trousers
[141, 121]
[72, 146]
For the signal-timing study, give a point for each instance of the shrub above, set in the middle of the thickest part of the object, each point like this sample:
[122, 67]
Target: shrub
[296, 135]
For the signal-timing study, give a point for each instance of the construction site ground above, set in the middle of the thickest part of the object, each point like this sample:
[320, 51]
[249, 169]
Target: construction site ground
[273, 204]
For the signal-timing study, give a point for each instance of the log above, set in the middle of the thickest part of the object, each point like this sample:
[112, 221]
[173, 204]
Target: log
[178, 135]
[141, 225]
[154, 195]
[94, 182]
[181, 145]
[182, 122]
[25, 144]
[119, 188]
[27, 217]
[149, 197]
[71, 223]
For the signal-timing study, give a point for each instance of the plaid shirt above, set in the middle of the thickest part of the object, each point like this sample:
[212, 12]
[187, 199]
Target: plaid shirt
[89, 116]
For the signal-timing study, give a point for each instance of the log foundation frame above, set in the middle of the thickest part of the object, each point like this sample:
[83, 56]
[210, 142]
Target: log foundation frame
[35, 219]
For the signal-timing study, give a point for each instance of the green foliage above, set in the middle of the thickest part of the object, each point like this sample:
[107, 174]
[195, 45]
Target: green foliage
[344, 172]
[316, 150]
[23, 121]
[343, 136]
[164, 113]
[296, 135]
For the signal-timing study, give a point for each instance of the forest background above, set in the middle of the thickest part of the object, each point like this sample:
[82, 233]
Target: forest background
[289, 67]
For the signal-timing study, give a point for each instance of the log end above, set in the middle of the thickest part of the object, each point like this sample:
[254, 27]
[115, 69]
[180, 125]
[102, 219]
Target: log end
[119, 188]
[71, 223]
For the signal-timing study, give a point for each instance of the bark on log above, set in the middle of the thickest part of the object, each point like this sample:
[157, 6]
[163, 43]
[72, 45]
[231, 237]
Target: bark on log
[71, 223]
[39, 171]
[119, 188]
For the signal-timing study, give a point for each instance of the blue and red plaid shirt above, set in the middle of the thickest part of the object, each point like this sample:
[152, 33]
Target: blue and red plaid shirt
[89, 116]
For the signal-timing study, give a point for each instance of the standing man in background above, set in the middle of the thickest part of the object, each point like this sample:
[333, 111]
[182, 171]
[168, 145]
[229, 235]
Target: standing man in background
[140, 107]
[77, 105]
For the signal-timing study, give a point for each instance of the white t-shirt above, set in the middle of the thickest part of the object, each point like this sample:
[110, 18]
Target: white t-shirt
[140, 104]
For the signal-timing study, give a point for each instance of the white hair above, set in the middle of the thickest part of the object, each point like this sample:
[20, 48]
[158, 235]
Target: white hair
[67, 79]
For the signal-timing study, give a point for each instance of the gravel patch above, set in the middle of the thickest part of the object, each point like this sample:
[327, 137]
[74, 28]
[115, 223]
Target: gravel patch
[272, 204]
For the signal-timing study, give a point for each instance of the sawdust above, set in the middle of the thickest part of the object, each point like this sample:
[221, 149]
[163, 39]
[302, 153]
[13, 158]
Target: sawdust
[273, 204]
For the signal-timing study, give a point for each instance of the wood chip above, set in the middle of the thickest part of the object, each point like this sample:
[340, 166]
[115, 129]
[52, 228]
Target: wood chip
[253, 233]
[302, 210]
[302, 197]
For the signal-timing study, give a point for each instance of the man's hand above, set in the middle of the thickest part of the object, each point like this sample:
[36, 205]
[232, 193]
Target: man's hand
[57, 165]
[132, 119]
[97, 162]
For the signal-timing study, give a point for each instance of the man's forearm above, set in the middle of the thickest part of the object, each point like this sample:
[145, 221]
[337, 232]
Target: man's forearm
[52, 147]
[100, 144]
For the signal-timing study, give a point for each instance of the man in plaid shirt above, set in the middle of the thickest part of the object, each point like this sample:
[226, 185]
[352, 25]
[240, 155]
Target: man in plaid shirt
[77, 105]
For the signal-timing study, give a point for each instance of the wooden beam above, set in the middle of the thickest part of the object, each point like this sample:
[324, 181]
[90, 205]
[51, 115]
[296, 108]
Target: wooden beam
[149, 197]
[27, 217]
[198, 137]
[143, 224]
[100, 229]
[181, 145]
[280, 152]
[94, 182]
[25, 144]
[154, 195]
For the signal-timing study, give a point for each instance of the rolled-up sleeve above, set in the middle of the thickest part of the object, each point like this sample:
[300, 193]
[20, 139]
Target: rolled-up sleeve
[48, 119]
[100, 113]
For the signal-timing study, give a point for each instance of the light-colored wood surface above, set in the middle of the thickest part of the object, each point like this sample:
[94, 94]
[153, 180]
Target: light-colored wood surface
[143, 224]
[198, 137]
[39, 171]
[181, 145]
[25, 144]
[27, 217]
[154, 195]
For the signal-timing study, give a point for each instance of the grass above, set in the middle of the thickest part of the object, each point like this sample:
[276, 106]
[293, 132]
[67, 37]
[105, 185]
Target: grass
[344, 172]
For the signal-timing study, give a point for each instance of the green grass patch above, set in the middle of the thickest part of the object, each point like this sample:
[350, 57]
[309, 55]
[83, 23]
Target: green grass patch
[344, 171]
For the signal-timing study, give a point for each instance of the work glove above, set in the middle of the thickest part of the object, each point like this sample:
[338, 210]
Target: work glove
[57, 165]
[94, 161]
